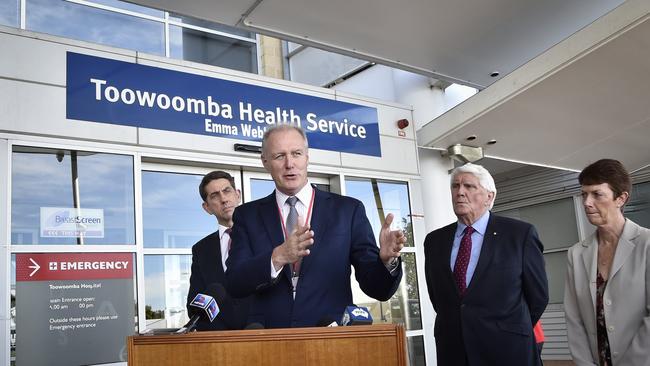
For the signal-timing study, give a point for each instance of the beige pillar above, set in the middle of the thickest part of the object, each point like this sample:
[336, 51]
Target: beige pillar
[271, 57]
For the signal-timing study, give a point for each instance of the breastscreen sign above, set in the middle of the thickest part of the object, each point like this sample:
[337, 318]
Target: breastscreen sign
[73, 308]
[117, 92]
[69, 222]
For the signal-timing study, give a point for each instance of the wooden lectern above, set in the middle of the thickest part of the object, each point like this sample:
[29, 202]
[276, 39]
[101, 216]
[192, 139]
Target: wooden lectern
[372, 345]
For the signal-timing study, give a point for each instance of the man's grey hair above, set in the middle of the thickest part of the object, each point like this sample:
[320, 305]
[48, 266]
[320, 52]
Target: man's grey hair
[282, 127]
[484, 177]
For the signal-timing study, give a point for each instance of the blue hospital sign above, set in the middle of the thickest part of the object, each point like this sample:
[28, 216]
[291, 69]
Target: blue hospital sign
[123, 93]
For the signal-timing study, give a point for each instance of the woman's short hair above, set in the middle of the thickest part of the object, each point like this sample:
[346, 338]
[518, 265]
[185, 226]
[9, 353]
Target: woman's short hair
[608, 171]
[484, 177]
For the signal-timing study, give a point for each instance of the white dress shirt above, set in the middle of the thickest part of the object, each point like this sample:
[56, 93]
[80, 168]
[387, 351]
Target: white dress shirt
[302, 206]
[224, 238]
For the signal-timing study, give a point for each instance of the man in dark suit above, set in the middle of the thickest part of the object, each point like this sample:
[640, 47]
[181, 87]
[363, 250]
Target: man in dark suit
[486, 279]
[220, 197]
[294, 249]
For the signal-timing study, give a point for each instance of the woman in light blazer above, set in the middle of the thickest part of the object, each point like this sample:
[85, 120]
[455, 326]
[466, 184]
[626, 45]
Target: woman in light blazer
[607, 293]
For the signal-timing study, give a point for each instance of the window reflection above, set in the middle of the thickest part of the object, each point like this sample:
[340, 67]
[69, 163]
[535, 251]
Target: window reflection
[381, 198]
[210, 25]
[166, 282]
[9, 12]
[131, 7]
[212, 49]
[63, 18]
[171, 210]
[638, 208]
[43, 178]
[555, 221]
[416, 351]
[403, 307]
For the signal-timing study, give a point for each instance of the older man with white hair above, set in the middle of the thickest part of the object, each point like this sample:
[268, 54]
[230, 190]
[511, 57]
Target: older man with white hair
[486, 279]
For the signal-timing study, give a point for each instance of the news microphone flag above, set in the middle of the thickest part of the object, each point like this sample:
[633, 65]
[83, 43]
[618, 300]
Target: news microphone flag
[356, 315]
[207, 303]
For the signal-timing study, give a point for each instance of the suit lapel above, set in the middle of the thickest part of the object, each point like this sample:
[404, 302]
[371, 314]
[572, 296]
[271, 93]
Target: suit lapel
[448, 239]
[271, 219]
[490, 236]
[589, 257]
[216, 248]
[625, 246]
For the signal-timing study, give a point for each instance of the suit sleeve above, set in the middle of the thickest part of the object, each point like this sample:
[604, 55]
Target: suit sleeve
[578, 340]
[247, 272]
[637, 352]
[197, 283]
[371, 273]
[535, 283]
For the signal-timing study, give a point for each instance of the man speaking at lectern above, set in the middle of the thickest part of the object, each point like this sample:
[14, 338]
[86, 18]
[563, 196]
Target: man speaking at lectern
[293, 250]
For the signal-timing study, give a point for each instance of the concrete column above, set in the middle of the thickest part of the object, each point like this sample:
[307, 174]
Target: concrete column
[436, 195]
[271, 57]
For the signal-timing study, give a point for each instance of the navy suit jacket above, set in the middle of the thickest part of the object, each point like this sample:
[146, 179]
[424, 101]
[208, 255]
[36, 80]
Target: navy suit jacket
[207, 269]
[493, 323]
[343, 238]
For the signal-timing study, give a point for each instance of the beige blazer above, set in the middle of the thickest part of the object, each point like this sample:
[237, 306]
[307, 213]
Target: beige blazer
[626, 299]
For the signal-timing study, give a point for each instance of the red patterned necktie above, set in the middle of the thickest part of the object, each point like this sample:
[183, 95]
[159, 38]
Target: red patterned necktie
[462, 260]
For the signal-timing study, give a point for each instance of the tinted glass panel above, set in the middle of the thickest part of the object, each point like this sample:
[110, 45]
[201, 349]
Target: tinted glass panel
[171, 210]
[210, 25]
[416, 350]
[403, 307]
[381, 198]
[638, 207]
[43, 189]
[63, 18]
[555, 222]
[556, 265]
[131, 7]
[166, 281]
[9, 14]
[192, 45]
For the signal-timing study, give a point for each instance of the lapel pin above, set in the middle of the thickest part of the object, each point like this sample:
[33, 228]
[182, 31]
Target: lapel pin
[494, 233]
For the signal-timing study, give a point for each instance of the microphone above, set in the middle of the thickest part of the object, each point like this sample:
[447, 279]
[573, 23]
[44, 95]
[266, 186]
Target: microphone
[327, 321]
[356, 315]
[206, 306]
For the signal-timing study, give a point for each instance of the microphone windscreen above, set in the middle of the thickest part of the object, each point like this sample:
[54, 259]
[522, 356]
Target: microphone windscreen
[225, 304]
[205, 304]
[356, 315]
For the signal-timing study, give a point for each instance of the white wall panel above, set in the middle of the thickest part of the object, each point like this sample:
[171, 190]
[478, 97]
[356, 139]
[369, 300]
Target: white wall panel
[397, 156]
[42, 58]
[40, 109]
[387, 113]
